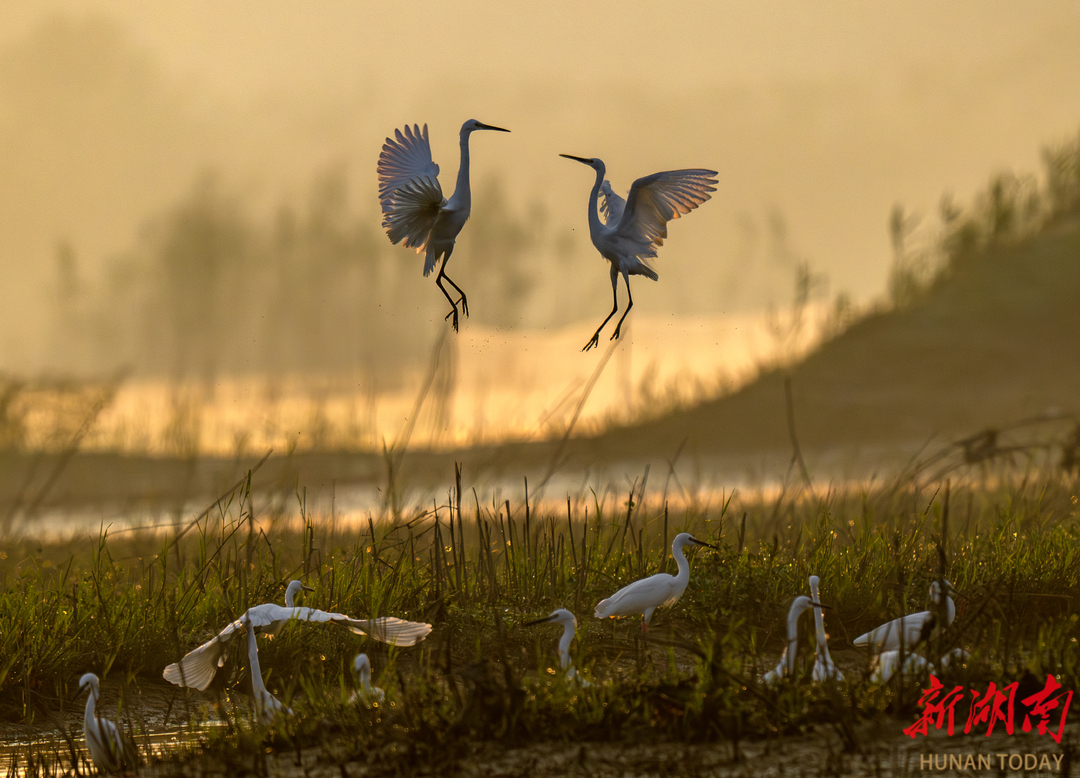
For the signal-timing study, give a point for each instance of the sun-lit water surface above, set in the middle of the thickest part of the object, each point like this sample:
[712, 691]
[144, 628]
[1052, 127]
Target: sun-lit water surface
[490, 385]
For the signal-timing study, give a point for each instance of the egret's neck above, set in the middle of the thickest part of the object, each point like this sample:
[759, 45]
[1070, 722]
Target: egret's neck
[290, 601]
[679, 553]
[91, 701]
[564, 645]
[253, 662]
[819, 618]
[792, 640]
[594, 213]
[462, 197]
[365, 676]
[950, 609]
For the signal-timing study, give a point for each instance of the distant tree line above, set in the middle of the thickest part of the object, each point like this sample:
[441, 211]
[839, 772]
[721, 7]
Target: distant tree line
[1012, 208]
[208, 288]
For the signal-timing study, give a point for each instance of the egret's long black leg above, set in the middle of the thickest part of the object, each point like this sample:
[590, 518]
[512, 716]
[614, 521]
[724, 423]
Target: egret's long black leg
[614, 309]
[446, 294]
[464, 301]
[629, 305]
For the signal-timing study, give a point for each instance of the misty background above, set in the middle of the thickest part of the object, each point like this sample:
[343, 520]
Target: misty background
[189, 191]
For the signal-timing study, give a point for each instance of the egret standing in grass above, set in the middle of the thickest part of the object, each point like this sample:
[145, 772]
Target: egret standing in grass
[110, 751]
[636, 227]
[267, 706]
[786, 667]
[656, 591]
[914, 627]
[413, 206]
[823, 663]
[569, 624]
[366, 692]
[199, 666]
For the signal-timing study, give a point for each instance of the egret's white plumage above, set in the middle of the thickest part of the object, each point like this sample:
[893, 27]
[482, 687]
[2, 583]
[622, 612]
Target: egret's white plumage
[267, 706]
[786, 667]
[823, 663]
[656, 591]
[366, 692]
[199, 666]
[887, 663]
[887, 637]
[569, 625]
[635, 228]
[109, 749]
[413, 206]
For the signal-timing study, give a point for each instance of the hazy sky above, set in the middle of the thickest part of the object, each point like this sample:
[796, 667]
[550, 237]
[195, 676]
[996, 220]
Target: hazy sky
[240, 48]
[824, 112]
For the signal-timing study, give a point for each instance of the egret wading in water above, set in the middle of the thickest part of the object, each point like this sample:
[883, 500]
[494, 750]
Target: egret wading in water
[267, 706]
[366, 692]
[910, 629]
[413, 206]
[199, 666]
[656, 591]
[635, 228]
[109, 749]
[569, 624]
[823, 663]
[786, 667]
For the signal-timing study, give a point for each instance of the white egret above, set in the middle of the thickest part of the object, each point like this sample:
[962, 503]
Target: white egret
[569, 624]
[366, 692]
[635, 228]
[413, 206]
[656, 591]
[913, 627]
[786, 667]
[267, 706]
[110, 750]
[823, 663]
[887, 663]
[199, 666]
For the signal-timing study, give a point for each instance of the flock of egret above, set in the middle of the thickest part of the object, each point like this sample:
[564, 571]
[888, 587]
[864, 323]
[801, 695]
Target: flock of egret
[111, 751]
[415, 211]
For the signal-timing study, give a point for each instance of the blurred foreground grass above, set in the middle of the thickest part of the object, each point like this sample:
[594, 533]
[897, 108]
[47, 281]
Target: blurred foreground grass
[125, 606]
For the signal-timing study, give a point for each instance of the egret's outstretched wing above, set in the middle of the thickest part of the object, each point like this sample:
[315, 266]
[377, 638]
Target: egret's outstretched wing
[409, 190]
[409, 212]
[611, 206]
[406, 159]
[199, 666]
[387, 629]
[657, 199]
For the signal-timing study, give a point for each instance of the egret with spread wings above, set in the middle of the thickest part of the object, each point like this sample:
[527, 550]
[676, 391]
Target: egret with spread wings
[199, 666]
[636, 227]
[413, 206]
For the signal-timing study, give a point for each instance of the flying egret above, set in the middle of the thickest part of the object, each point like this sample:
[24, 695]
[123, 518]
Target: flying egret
[366, 692]
[266, 705]
[786, 667]
[914, 627]
[199, 666]
[110, 750]
[656, 591]
[636, 227]
[413, 206]
[569, 624]
[823, 663]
